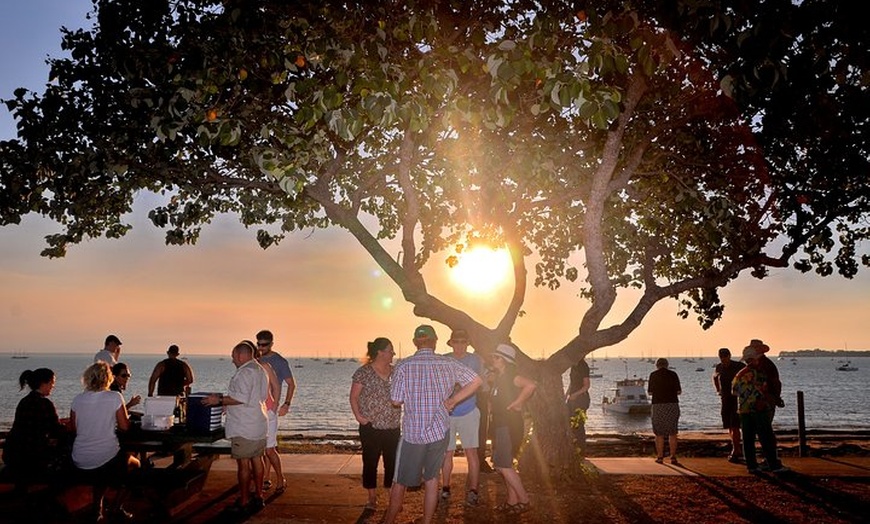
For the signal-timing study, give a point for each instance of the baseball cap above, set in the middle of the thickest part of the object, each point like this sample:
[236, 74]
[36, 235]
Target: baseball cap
[425, 331]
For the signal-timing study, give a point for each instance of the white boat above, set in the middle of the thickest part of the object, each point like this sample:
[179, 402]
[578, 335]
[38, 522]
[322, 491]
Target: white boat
[629, 396]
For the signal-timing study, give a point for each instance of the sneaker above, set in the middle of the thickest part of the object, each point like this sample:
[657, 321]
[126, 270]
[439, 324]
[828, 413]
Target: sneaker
[445, 494]
[486, 468]
[472, 498]
[734, 459]
[660, 460]
[780, 469]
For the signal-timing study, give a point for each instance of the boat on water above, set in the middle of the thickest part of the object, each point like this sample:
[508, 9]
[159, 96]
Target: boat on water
[629, 397]
[847, 366]
[593, 370]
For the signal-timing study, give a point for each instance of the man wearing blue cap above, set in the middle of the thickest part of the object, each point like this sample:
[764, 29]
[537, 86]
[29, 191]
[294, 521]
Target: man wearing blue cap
[423, 384]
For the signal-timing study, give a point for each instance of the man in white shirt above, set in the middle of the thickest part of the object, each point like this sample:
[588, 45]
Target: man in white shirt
[111, 351]
[246, 423]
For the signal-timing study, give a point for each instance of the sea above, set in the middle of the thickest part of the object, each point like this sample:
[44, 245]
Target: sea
[833, 400]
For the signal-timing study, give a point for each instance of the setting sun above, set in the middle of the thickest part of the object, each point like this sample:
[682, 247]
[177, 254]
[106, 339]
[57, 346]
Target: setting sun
[482, 270]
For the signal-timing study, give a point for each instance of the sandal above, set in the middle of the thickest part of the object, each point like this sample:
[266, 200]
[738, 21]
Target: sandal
[281, 489]
[513, 509]
[267, 485]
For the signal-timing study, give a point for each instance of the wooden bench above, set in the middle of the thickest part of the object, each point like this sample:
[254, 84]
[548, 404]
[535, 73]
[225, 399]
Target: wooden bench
[167, 489]
[59, 496]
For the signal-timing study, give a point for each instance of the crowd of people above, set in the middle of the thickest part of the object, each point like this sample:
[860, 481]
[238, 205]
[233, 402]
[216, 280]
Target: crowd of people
[86, 444]
[750, 391]
[410, 417]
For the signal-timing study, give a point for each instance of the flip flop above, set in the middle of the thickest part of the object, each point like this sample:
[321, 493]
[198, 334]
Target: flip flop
[281, 489]
[267, 485]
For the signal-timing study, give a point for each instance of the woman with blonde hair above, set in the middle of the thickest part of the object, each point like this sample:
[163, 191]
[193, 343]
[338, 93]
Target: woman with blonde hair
[95, 415]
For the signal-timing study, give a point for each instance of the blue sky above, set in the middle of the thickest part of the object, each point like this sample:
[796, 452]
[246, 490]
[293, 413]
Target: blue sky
[319, 291]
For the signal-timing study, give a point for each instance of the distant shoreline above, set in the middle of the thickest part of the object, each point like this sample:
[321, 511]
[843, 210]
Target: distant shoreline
[837, 353]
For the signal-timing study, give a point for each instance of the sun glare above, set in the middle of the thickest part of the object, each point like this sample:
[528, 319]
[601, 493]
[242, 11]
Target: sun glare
[482, 270]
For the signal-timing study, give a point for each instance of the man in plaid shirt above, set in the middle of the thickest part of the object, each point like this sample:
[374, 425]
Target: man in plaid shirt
[423, 384]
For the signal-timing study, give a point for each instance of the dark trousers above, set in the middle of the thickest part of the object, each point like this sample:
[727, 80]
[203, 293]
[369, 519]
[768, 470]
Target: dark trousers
[758, 424]
[375, 444]
[483, 431]
[579, 432]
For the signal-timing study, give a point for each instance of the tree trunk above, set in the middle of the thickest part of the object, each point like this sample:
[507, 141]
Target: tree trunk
[549, 452]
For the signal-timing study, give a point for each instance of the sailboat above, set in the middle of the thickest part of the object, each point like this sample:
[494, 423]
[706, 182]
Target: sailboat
[20, 354]
[593, 369]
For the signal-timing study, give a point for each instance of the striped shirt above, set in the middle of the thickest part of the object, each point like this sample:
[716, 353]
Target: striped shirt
[422, 382]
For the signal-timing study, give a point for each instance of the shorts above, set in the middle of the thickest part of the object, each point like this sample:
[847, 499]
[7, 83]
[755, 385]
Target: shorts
[503, 448]
[730, 417]
[272, 430]
[467, 428]
[111, 473]
[242, 448]
[416, 462]
[665, 418]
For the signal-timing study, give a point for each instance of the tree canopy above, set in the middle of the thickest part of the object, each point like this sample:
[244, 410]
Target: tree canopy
[667, 146]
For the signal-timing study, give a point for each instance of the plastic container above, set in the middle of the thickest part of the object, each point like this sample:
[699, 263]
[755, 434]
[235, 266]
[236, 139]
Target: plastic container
[200, 418]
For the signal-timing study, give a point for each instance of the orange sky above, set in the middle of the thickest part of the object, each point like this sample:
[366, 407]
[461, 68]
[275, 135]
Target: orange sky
[321, 295]
[319, 292]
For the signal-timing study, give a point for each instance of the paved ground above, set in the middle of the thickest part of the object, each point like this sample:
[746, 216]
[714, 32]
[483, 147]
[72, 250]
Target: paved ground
[327, 486]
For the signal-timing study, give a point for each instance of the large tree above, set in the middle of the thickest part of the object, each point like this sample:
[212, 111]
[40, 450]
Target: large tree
[666, 146]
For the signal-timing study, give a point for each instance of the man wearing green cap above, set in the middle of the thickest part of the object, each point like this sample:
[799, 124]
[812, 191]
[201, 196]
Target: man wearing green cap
[423, 385]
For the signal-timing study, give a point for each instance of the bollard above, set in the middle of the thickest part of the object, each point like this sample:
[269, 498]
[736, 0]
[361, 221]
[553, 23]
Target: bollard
[802, 426]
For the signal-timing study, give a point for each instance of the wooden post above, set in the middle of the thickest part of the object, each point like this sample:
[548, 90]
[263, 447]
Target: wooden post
[803, 451]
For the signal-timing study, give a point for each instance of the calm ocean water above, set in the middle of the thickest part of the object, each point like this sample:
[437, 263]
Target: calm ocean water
[833, 399]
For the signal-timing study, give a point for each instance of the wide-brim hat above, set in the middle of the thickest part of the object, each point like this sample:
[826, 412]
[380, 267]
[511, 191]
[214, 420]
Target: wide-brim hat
[458, 334]
[759, 346]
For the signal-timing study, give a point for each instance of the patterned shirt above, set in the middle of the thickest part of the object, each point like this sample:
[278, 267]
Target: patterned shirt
[422, 382]
[748, 386]
[374, 398]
